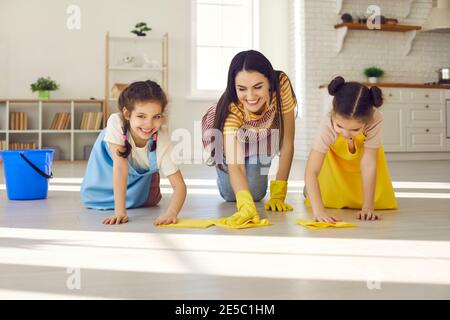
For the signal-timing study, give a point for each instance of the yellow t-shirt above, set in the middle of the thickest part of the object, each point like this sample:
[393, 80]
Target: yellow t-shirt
[239, 116]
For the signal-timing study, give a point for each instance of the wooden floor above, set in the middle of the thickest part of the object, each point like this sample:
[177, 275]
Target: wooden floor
[51, 247]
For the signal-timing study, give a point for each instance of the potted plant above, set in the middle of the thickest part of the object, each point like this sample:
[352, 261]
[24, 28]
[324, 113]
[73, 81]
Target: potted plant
[373, 73]
[140, 29]
[43, 86]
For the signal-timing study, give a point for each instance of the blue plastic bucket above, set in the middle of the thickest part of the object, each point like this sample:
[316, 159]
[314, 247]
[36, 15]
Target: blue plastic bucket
[27, 173]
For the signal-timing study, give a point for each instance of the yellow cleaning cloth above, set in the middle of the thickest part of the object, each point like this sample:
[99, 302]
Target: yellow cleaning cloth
[248, 224]
[322, 225]
[245, 217]
[190, 223]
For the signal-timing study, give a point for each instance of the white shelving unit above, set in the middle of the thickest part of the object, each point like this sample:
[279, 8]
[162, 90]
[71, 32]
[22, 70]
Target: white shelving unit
[154, 48]
[71, 141]
[409, 31]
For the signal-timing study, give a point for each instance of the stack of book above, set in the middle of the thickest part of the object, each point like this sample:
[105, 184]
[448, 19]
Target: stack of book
[91, 120]
[18, 121]
[3, 145]
[22, 146]
[61, 121]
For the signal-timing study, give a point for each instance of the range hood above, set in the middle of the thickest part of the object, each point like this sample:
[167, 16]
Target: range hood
[439, 18]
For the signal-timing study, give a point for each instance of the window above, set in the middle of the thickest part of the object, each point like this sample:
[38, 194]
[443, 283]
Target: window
[221, 28]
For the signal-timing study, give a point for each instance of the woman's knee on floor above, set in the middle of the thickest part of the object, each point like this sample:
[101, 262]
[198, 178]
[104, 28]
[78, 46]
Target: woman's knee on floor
[258, 193]
[227, 193]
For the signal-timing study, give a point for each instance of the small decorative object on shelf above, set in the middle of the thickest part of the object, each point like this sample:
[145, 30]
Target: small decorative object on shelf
[43, 86]
[347, 18]
[128, 60]
[391, 21]
[117, 90]
[380, 18]
[373, 74]
[3, 145]
[140, 29]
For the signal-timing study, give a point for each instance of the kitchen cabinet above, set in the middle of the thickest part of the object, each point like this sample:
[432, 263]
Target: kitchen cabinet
[425, 115]
[426, 139]
[394, 130]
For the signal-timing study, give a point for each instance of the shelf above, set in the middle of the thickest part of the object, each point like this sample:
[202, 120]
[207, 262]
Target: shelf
[56, 131]
[86, 131]
[136, 38]
[409, 31]
[384, 27]
[41, 113]
[136, 69]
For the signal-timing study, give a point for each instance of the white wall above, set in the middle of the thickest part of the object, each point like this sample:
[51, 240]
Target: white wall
[35, 42]
[274, 32]
[3, 55]
[385, 49]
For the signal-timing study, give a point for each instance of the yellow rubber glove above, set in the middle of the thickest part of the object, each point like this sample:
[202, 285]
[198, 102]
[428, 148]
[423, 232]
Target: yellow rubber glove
[278, 190]
[246, 210]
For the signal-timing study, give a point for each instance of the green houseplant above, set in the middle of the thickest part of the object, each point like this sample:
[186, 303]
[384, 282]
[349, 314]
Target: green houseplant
[140, 29]
[43, 86]
[373, 73]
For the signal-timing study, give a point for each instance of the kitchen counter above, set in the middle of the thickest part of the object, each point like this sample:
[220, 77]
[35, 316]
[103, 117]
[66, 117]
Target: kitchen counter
[402, 85]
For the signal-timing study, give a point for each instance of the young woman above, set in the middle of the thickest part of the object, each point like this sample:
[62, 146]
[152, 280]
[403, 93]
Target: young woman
[252, 122]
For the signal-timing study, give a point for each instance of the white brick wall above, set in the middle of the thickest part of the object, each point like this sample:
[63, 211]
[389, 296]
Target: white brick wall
[317, 62]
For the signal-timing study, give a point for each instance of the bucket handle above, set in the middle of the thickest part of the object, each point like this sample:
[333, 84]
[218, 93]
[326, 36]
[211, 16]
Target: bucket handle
[36, 168]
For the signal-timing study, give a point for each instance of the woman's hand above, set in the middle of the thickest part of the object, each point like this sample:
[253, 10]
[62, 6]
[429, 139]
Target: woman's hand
[368, 214]
[322, 216]
[116, 219]
[167, 218]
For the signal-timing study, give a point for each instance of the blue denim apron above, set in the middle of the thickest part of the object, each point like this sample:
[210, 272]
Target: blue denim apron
[97, 187]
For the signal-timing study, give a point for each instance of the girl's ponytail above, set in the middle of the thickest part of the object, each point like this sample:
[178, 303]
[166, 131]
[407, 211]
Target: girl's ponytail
[126, 152]
[335, 84]
[377, 96]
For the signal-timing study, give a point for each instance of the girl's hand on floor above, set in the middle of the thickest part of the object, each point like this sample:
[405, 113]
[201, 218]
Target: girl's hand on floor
[166, 218]
[367, 214]
[325, 217]
[116, 219]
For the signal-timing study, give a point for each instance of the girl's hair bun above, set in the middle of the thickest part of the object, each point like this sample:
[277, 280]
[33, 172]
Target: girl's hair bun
[377, 96]
[335, 84]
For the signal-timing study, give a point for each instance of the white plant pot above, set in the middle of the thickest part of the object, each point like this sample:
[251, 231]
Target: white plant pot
[373, 79]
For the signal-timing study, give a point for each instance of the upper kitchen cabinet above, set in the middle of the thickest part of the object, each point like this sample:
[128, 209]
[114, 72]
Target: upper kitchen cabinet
[394, 129]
